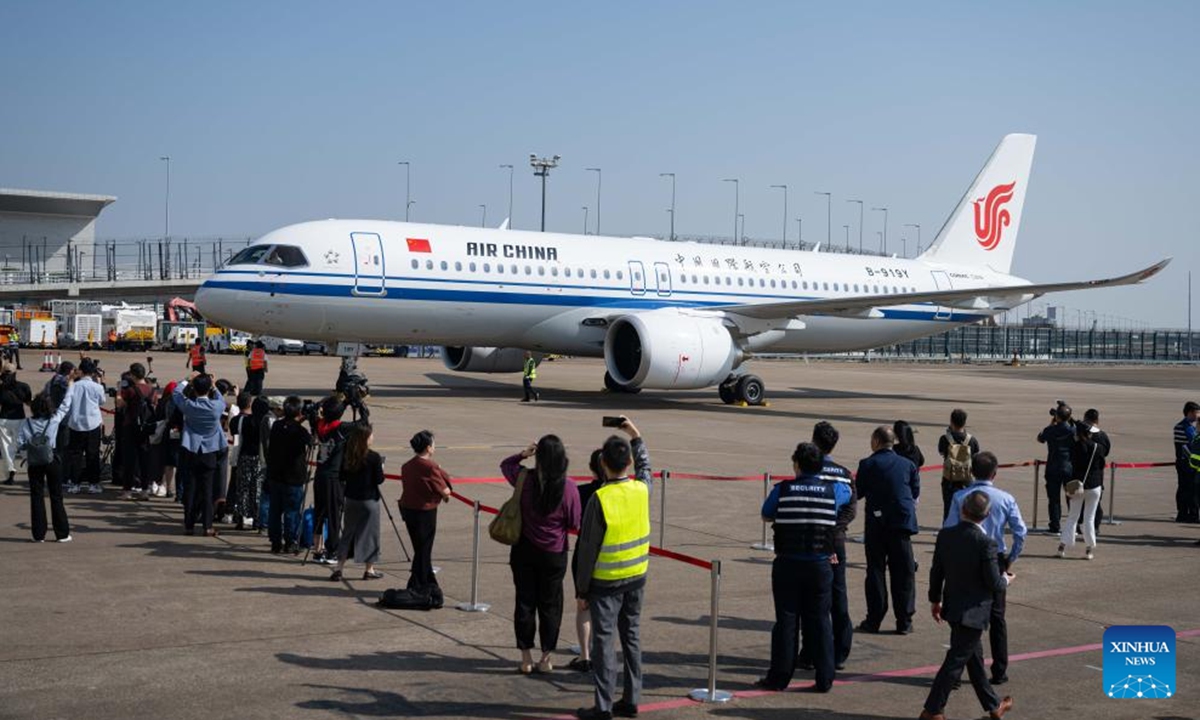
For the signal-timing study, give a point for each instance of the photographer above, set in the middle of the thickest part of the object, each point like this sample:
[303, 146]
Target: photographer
[1059, 438]
[328, 489]
[86, 427]
[1088, 457]
[203, 439]
[287, 474]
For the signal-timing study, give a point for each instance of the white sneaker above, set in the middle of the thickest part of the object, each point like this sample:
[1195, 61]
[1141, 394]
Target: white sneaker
[160, 491]
[66, 539]
[95, 489]
[227, 519]
[73, 489]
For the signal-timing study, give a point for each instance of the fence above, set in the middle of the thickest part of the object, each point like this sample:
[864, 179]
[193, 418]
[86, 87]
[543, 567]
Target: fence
[113, 260]
[1049, 344]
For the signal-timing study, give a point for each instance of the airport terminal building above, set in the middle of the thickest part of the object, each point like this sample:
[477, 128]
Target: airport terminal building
[46, 233]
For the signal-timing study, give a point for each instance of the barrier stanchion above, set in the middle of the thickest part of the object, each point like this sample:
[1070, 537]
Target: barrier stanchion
[711, 694]
[475, 605]
[662, 510]
[1037, 466]
[763, 544]
[1112, 496]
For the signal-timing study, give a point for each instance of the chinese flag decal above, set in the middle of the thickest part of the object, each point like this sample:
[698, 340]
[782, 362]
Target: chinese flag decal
[419, 245]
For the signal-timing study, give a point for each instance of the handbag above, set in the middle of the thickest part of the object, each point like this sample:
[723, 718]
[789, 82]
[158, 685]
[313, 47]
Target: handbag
[505, 528]
[1075, 487]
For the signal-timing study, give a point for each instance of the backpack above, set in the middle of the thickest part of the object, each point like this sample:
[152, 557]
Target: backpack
[145, 416]
[957, 467]
[38, 452]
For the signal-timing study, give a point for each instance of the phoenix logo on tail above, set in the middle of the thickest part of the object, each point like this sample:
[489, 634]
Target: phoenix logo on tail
[991, 222]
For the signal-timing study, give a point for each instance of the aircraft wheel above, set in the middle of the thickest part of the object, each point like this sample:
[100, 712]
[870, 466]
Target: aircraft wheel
[613, 386]
[750, 390]
[728, 392]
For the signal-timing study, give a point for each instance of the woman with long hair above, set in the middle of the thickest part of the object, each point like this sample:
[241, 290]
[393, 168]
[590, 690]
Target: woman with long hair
[362, 472]
[906, 444]
[549, 510]
[249, 467]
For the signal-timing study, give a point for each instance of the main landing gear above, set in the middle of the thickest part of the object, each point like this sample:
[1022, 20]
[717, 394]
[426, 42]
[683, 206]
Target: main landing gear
[611, 385]
[748, 389]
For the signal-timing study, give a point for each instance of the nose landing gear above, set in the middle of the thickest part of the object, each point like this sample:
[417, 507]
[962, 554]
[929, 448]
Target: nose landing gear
[748, 389]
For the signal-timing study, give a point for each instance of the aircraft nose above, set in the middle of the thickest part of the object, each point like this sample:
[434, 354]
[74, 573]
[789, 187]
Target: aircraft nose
[215, 303]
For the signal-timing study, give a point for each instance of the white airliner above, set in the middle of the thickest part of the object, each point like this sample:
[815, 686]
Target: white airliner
[662, 314]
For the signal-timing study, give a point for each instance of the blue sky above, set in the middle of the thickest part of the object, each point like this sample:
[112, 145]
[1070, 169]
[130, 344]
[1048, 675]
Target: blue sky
[276, 112]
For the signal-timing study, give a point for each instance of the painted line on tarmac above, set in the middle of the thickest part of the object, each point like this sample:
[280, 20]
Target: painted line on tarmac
[876, 677]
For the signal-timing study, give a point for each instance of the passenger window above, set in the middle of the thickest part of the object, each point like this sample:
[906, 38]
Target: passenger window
[500, 269]
[514, 269]
[705, 279]
[471, 267]
[566, 272]
[683, 279]
[826, 286]
[741, 282]
[621, 275]
[416, 265]
[805, 284]
[607, 275]
[458, 267]
[487, 267]
[593, 274]
[772, 283]
[553, 271]
[762, 283]
[428, 264]
[445, 266]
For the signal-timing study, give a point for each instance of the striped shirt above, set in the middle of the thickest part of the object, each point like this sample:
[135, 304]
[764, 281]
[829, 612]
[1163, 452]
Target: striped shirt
[1185, 432]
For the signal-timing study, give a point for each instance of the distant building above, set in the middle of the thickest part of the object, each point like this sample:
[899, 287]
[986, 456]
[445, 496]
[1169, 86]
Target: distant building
[38, 229]
[1037, 321]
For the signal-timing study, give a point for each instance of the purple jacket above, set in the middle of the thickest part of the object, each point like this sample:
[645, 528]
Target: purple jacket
[547, 533]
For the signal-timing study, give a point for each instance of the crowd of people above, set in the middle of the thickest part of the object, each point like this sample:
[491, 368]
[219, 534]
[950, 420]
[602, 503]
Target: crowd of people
[249, 460]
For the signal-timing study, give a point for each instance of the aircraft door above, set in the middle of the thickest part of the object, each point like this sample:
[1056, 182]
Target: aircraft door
[662, 273]
[942, 281]
[637, 278]
[369, 268]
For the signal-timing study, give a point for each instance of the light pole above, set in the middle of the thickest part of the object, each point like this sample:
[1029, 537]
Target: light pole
[167, 200]
[585, 213]
[847, 229]
[672, 210]
[860, 223]
[737, 195]
[407, 187]
[799, 233]
[879, 235]
[542, 168]
[483, 216]
[407, 206]
[884, 210]
[742, 217]
[828, 217]
[510, 194]
[918, 227]
[904, 245]
[597, 171]
[784, 188]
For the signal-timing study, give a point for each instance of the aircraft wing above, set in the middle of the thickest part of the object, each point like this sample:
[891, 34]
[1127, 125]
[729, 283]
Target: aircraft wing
[990, 298]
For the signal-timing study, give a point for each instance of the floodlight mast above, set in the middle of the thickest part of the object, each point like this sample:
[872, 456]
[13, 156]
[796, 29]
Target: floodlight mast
[541, 168]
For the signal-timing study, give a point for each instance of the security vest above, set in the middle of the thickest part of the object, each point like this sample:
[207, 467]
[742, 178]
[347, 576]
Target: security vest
[806, 517]
[258, 359]
[196, 354]
[625, 550]
[531, 369]
[1194, 454]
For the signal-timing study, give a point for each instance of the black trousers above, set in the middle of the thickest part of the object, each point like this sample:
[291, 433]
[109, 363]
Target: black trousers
[965, 651]
[802, 592]
[1054, 496]
[839, 611]
[1186, 508]
[45, 478]
[422, 527]
[530, 393]
[890, 552]
[198, 493]
[254, 381]
[538, 577]
[83, 456]
[329, 501]
[135, 460]
[948, 490]
[998, 632]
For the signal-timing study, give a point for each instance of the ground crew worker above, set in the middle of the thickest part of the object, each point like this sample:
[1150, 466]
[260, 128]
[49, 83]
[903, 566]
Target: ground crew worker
[112, 339]
[530, 376]
[804, 514]
[196, 358]
[1186, 509]
[256, 368]
[610, 577]
[14, 340]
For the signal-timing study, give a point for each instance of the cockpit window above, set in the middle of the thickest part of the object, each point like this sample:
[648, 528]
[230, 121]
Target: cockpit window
[286, 256]
[251, 255]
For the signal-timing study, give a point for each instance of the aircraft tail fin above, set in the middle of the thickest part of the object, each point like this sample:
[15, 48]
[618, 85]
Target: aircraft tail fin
[982, 230]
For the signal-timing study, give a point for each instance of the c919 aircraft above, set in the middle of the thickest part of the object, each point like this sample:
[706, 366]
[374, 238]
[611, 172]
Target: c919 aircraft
[662, 314]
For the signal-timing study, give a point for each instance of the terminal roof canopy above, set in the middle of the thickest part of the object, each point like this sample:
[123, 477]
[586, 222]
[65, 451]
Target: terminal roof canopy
[52, 203]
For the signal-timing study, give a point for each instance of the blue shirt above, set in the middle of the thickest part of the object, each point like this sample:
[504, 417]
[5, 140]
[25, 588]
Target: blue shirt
[841, 494]
[84, 398]
[201, 421]
[1003, 511]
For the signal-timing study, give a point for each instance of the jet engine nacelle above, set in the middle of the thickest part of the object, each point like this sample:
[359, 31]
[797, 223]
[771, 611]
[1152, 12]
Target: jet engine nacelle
[669, 349]
[485, 359]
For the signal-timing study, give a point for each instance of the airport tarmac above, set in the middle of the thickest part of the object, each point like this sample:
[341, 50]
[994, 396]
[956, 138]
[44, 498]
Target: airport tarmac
[133, 619]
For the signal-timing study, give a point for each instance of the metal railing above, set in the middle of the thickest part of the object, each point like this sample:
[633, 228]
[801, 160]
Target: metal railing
[115, 260]
[977, 342]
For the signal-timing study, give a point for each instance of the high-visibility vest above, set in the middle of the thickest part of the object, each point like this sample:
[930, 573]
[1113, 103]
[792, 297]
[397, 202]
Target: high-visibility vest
[1194, 454]
[258, 359]
[531, 369]
[625, 550]
[196, 354]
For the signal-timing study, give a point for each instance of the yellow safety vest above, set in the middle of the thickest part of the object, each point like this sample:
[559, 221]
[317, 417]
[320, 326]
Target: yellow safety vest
[531, 369]
[625, 551]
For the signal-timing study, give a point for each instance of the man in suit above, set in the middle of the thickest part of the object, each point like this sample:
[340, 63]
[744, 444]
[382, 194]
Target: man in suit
[962, 582]
[890, 485]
